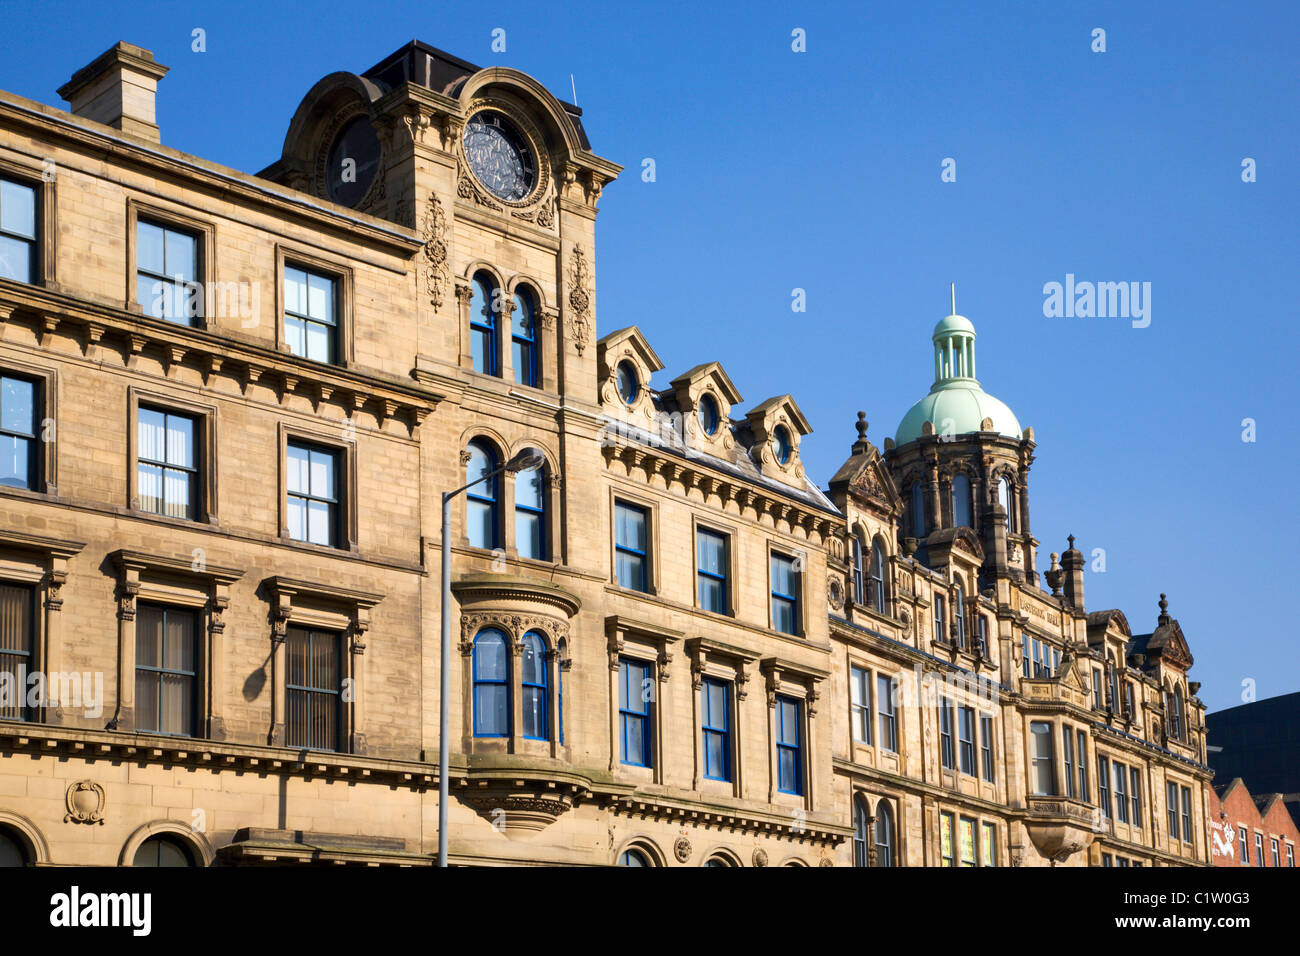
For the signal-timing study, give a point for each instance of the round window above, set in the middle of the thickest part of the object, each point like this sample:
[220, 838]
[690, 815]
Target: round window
[708, 414]
[629, 385]
[781, 444]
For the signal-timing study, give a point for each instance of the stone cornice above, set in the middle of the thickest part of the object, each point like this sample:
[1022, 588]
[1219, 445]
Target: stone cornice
[510, 587]
[215, 353]
[138, 561]
[55, 547]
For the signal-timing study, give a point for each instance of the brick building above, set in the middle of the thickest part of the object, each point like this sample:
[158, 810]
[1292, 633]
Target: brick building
[231, 404]
[1246, 830]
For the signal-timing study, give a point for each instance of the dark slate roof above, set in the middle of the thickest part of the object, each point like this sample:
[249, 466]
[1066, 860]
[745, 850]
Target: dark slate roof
[437, 70]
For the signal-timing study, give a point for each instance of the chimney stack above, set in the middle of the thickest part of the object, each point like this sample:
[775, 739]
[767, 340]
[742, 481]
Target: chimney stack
[118, 90]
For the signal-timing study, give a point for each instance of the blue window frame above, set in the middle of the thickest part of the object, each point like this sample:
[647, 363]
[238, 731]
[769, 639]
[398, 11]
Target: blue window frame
[885, 707]
[711, 570]
[482, 527]
[483, 309]
[167, 265]
[16, 630]
[523, 339]
[491, 685]
[17, 231]
[313, 493]
[789, 746]
[629, 383]
[18, 455]
[312, 690]
[782, 447]
[635, 697]
[785, 594]
[709, 415]
[715, 701]
[530, 514]
[310, 315]
[630, 546]
[562, 654]
[533, 681]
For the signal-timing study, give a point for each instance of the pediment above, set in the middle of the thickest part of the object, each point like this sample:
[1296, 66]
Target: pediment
[872, 485]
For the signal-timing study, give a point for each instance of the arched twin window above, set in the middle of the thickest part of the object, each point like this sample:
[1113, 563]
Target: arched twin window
[880, 833]
[486, 304]
[961, 502]
[483, 505]
[877, 576]
[884, 834]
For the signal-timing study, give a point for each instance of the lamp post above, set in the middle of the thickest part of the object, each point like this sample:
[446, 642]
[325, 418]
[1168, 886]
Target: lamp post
[525, 460]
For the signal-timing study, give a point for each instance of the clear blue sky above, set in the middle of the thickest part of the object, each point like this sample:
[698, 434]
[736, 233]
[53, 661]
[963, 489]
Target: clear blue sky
[821, 170]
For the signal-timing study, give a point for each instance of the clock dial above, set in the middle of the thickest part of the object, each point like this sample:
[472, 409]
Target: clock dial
[353, 162]
[499, 156]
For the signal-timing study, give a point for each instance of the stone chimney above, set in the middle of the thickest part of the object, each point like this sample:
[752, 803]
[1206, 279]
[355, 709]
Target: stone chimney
[118, 90]
[1072, 563]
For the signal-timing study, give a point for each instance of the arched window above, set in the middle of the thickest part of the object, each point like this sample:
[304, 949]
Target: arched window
[633, 858]
[1178, 726]
[959, 615]
[877, 571]
[530, 513]
[12, 851]
[533, 678]
[491, 685]
[860, 857]
[918, 511]
[481, 525]
[884, 834]
[1004, 499]
[562, 653]
[483, 308]
[523, 339]
[162, 851]
[961, 501]
[718, 861]
[859, 594]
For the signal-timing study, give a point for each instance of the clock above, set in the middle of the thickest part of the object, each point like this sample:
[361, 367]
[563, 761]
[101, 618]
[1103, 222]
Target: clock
[499, 156]
[352, 163]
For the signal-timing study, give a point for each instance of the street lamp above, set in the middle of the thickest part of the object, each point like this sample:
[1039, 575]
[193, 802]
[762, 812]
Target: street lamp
[524, 460]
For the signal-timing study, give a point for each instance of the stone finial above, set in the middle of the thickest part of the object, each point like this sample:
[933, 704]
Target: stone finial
[1070, 538]
[861, 426]
[1164, 609]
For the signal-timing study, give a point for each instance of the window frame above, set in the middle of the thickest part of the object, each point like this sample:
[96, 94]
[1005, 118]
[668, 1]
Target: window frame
[726, 579]
[884, 821]
[646, 717]
[724, 732]
[782, 744]
[29, 657]
[495, 359]
[44, 256]
[347, 497]
[43, 460]
[860, 711]
[477, 496]
[989, 772]
[542, 515]
[207, 422]
[204, 233]
[795, 600]
[649, 515]
[526, 293]
[1035, 758]
[293, 257]
[161, 671]
[887, 742]
[947, 749]
[335, 640]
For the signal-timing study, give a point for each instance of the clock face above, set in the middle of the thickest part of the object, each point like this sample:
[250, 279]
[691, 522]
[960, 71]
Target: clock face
[353, 162]
[499, 156]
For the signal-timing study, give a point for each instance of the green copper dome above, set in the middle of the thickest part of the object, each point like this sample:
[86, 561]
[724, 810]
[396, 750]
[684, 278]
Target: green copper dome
[956, 404]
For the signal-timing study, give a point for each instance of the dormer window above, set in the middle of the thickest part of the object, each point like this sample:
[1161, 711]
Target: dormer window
[629, 383]
[781, 446]
[709, 416]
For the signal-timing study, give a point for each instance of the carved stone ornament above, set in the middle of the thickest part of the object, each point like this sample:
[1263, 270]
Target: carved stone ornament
[579, 318]
[682, 849]
[85, 801]
[760, 857]
[436, 271]
[826, 861]
[835, 593]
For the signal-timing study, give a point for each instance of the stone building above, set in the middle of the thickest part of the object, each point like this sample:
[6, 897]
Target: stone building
[231, 404]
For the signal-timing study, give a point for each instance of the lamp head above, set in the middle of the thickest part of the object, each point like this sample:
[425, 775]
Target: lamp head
[525, 459]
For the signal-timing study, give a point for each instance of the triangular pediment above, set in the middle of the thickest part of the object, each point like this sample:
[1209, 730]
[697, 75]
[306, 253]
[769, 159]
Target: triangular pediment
[872, 485]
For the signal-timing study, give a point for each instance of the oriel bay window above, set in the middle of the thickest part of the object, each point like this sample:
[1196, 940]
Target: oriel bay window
[1067, 741]
[166, 664]
[491, 677]
[711, 571]
[785, 582]
[313, 685]
[1043, 767]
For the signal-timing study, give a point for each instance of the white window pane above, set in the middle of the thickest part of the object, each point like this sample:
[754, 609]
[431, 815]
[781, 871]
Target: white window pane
[180, 250]
[177, 493]
[318, 522]
[15, 259]
[295, 335]
[151, 435]
[149, 488]
[318, 342]
[295, 291]
[18, 209]
[320, 298]
[149, 248]
[322, 475]
[180, 441]
[297, 519]
[297, 467]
